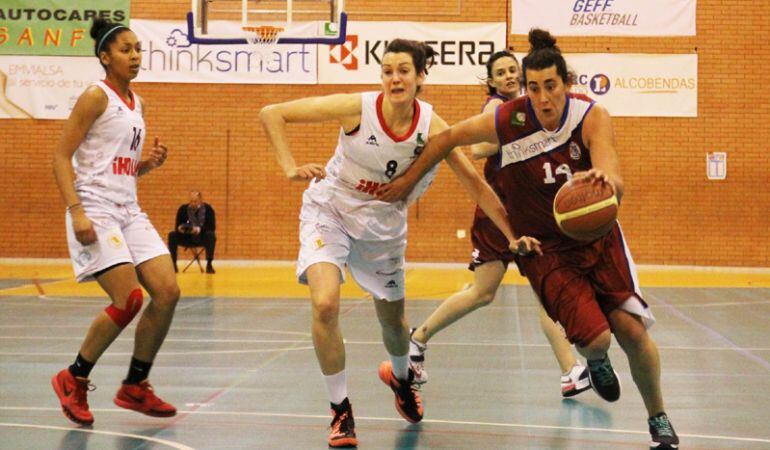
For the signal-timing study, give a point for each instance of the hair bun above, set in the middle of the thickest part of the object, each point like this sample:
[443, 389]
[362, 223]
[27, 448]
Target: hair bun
[99, 27]
[541, 39]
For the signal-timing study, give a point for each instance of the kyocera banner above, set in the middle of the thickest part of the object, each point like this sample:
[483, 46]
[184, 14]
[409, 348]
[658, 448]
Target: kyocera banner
[638, 85]
[54, 27]
[463, 50]
[605, 17]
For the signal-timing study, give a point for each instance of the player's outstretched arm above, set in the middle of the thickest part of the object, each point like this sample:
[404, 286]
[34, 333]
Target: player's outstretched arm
[486, 149]
[343, 108]
[480, 128]
[489, 202]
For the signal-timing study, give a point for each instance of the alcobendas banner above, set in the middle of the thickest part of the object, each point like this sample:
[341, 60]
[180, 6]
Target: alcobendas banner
[636, 84]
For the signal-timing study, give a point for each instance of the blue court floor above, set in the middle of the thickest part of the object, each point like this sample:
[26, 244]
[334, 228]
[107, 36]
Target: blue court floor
[243, 374]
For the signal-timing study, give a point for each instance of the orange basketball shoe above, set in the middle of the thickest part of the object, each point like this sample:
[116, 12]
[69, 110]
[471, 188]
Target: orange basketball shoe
[72, 393]
[343, 427]
[141, 397]
[408, 401]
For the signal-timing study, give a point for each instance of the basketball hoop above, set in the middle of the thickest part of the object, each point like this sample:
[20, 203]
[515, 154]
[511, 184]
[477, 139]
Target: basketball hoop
[262, 35]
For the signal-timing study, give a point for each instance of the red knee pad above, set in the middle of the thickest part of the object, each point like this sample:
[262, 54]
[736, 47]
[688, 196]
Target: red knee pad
[122, 317]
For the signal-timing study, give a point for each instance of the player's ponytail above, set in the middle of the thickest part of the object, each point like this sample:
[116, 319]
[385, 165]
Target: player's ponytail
[544, 53]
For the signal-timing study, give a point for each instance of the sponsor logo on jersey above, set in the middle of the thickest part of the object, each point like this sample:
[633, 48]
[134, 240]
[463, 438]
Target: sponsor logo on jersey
[391, 284]
[125, 166]
[319, 244]
[574, 151]
[367, 186]
[518, 119]
[372, 141]
[420, 145]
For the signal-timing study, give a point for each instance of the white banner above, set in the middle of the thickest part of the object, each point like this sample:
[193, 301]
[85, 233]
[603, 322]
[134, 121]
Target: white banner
[167, 56]
[638, 85]
[464, 49]
[44, 87]
[605, 17]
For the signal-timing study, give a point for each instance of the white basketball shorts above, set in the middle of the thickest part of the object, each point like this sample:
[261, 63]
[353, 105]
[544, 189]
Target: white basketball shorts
[376, 265]
[124, 234]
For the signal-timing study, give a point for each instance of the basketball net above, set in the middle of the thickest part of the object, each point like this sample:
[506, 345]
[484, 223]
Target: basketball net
[263, 38]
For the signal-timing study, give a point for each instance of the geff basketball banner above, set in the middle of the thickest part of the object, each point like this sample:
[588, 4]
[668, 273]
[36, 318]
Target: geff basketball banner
[605, 17]
[167, 56]
[55, 27]
[463, 50]
[638, 84]
[33, 87]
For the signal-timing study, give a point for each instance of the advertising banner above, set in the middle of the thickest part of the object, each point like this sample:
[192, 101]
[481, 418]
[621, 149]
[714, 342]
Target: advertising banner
[605, 17]
[44, 88]
[463, 50]
[167, 56]
[639, 85]
[55, 27]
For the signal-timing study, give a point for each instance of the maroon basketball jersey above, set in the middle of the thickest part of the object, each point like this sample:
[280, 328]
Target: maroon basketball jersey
[535, 163]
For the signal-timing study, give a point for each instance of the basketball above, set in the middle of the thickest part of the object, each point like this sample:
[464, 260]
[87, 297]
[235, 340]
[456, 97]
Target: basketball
[585, 211]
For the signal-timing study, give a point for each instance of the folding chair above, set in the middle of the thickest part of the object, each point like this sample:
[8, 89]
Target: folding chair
[196, 252]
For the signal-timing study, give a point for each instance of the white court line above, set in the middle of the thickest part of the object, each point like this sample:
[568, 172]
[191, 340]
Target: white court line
[436, 421]
[165, 353]
[171, 444]
[176, 328]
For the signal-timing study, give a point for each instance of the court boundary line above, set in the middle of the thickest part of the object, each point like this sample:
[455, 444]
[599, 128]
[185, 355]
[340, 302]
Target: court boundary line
[140, 437]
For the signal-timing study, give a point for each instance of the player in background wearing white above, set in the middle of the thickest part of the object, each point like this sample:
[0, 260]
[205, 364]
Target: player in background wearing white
[503, 83]
[343, 224]
[109, 237]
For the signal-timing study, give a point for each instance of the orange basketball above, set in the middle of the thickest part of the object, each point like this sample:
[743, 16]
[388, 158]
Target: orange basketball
[585, 211]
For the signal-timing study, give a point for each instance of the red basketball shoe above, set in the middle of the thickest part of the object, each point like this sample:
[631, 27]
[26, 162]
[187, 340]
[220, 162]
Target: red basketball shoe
[141, 397]
[72, 393]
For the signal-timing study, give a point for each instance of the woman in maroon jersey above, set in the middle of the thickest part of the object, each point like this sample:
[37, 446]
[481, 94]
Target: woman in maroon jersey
[489, 261]
[546, 138]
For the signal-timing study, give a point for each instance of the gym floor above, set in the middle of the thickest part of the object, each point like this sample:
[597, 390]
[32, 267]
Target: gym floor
[239, 365]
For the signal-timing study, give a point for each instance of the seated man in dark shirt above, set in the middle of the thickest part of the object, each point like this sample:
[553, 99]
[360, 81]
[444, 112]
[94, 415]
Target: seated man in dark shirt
[195, 227]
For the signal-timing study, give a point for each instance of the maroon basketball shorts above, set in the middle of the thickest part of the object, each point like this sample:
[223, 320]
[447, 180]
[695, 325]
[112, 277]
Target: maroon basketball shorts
[489, 244]
[581, 286]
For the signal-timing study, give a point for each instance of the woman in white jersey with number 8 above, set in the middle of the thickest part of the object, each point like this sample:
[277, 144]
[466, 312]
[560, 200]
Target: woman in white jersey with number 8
[343, 224]
[109, 237]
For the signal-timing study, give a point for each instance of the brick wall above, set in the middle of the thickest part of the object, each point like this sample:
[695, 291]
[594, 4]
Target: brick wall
[671, 214]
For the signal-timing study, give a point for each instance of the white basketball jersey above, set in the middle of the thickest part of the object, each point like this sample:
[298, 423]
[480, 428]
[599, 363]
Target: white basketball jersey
[364, 160]
[372, 156]
[107, 160]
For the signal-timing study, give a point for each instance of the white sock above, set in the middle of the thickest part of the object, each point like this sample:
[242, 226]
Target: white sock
[337, 387]
[400, 366]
